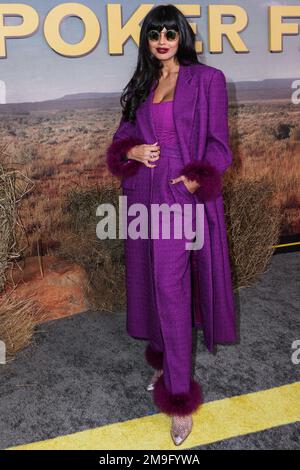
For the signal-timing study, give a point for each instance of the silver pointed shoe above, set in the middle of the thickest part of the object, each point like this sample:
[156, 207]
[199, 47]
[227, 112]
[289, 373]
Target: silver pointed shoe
[156, 375]
[181, 428]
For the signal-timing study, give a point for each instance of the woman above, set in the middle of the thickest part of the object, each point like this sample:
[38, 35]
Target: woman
[171, 147]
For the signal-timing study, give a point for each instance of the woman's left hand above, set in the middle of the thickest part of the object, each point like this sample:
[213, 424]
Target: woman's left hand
[191, 186]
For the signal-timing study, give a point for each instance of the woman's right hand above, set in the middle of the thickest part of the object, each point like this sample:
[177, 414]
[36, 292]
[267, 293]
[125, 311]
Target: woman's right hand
[145, 153]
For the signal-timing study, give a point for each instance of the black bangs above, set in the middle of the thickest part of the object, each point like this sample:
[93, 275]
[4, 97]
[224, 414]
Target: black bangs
[159, 25]
[164, 15]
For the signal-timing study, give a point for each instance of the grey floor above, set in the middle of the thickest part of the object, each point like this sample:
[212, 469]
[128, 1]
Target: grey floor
[84, 371]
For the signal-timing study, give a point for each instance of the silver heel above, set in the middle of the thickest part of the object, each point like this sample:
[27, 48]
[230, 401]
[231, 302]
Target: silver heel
[156, 375]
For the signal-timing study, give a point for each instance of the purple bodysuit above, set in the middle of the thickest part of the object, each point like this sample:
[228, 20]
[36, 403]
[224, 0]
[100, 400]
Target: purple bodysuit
[163, 120]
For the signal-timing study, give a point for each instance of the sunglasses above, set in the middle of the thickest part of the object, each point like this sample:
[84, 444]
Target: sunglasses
[154, 34]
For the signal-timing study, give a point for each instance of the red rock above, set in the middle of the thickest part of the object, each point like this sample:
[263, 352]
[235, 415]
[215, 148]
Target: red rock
[59, 285]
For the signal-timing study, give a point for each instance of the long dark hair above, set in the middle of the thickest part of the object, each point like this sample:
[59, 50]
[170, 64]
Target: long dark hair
[148, 66]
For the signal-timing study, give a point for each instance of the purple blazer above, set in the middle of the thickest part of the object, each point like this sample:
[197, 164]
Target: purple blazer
[201, 121]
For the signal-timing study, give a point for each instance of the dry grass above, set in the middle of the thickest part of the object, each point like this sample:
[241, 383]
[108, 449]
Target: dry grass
[14, 185]
[103, 260]
[253, 226]
[17, 316]
[265, 139]
[17, 323]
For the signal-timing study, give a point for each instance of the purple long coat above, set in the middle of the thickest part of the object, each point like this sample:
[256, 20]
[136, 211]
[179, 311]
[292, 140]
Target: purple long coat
[201, 119]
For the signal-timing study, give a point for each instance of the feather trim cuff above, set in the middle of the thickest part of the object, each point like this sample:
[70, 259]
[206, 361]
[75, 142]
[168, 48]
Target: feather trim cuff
[177, 404]
[207, 176]
[116, 159]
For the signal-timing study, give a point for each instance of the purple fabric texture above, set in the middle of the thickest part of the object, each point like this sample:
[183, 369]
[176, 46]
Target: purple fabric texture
[200, 110]
[154, 358]
[204, 173]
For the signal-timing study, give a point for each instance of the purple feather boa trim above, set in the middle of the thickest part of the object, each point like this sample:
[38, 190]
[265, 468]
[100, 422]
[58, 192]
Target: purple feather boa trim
[207, 176]
[116, 157]
[180, 404]
[154, 358]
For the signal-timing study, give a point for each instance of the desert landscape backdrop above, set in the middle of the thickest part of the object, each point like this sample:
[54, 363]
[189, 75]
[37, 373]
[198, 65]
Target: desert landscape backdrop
[61, 144]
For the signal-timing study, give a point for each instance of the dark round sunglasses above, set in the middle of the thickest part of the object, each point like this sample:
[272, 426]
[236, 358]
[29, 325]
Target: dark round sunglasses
[154, 34]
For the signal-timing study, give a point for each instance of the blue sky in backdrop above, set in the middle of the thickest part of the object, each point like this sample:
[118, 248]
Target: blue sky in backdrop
[32, 71]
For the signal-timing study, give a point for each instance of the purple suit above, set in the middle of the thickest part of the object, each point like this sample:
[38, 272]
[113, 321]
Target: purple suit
[200, 110]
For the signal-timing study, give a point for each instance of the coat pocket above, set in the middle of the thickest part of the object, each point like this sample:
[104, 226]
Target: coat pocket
[182, 187]
[175, 167]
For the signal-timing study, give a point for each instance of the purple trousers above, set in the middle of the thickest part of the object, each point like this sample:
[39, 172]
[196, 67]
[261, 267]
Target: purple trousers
[167, 263]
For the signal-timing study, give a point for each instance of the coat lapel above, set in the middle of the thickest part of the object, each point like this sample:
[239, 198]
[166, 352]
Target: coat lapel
[184, 106]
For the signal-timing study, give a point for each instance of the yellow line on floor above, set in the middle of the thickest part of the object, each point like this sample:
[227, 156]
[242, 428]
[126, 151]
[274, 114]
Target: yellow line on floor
[286, 244]
[214, 421]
